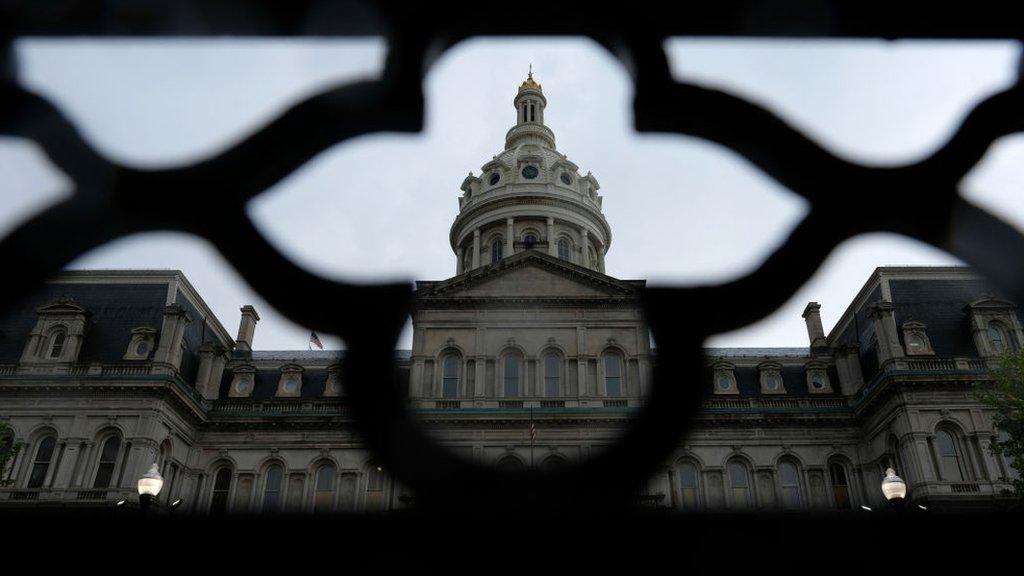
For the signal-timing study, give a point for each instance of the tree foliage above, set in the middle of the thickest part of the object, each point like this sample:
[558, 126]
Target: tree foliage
[8, 451]
[1006, 396]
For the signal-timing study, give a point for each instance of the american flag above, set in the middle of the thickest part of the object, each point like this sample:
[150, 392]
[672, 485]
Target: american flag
[533, 430]
[314, 340]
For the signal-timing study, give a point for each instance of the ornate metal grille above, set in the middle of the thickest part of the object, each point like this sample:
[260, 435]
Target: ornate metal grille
[919, 200]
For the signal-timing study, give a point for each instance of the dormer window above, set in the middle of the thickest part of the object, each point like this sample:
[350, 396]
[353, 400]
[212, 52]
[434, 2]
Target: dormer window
[915, 339]
[58, 333]
[529, 241]
[995, 326]
[771, 378]
[495, 177]
[725, 378]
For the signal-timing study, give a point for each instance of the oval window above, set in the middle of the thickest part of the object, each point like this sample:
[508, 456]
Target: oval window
[530, 172]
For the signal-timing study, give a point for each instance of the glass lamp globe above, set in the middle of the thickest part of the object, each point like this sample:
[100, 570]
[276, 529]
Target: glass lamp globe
[893, 486]
[151, 482]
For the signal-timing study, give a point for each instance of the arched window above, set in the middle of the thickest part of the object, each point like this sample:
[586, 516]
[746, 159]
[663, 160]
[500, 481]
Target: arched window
[510, 464]
[467, 264]
[564, 251]
[739, 485]
[529, 240]
[512, 362]
[375, 479]
[57, 341]
[497, 246]
[689, 485]
[998, 338]
[552, 375]
[272, 488]
[840, 486]
[613, 375]
[221, 490]
[450, 376]
[950, 461]
[789, 484]
[108, 462]
[323, 490]
[553, 463]
[41, 463]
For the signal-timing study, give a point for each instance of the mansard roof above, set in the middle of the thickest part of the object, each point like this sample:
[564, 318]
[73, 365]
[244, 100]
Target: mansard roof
[530, 275]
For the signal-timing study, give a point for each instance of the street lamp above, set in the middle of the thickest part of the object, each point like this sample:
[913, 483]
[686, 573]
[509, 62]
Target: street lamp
[894, 488]
[149, 486]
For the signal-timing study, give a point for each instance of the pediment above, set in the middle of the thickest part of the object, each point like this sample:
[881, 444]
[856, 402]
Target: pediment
[990, 303]
[533, 276]
[62, 307]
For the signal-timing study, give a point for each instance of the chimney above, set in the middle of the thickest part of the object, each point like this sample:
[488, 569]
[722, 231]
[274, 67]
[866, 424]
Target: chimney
[246, 328]
[815, 333]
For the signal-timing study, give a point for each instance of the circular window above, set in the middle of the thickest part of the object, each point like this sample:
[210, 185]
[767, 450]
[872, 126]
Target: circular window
[530, 172]
[335, 386]
[566, 178]
[494, 178]
[291, 385]
[818, 382]
[724, 383]
[772, 382]
[142, 349]
[244, 385]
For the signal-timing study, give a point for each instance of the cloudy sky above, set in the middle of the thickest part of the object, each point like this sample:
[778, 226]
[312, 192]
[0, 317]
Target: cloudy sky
[681, 210]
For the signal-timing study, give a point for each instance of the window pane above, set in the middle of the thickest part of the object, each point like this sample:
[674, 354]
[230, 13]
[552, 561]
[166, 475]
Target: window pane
[613, 375]
[108, 457]
[840, 489]
[450, 381]
[551, 376]
[221, 489]
[789, 478]
[272, 489]
[511, 376]
[375, 482]
[688, 483]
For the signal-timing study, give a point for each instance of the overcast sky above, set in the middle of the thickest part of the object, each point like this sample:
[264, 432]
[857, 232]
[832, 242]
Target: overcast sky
[681, 210]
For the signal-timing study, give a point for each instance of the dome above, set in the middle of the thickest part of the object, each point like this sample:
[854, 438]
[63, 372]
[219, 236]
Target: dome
[530, 196]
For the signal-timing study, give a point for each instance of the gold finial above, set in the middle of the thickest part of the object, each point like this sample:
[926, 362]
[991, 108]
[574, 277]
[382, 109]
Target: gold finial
[530, 83]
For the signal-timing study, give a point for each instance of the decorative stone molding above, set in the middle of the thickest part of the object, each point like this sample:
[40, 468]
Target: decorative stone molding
[771, 378]
[818, 381]
[58, 334]
[142, 344]
[915, 339]
[724, 378]
[243, 382]
[289, 385]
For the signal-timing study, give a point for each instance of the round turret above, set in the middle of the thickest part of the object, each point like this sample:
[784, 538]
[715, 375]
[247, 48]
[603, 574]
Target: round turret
[530, 197]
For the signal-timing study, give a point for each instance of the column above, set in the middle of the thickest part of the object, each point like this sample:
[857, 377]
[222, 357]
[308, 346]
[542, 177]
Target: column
[458, 262]
[509, 232]
[552, 244]
[476, 248]
[888, 345]
[585, 246]
[416, 379]
[600, 260]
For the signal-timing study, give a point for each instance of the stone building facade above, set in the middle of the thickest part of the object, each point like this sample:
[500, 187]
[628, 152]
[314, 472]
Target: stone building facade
[104, 373]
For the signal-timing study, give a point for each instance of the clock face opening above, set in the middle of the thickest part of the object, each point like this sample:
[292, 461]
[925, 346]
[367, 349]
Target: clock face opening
[566, 178]
[530, 172]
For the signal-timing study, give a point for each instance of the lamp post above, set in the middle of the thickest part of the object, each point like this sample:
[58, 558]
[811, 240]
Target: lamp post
[149, 486]
[894, 489]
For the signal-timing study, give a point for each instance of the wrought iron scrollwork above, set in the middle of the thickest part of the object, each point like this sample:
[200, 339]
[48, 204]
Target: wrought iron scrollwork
[920, 200]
